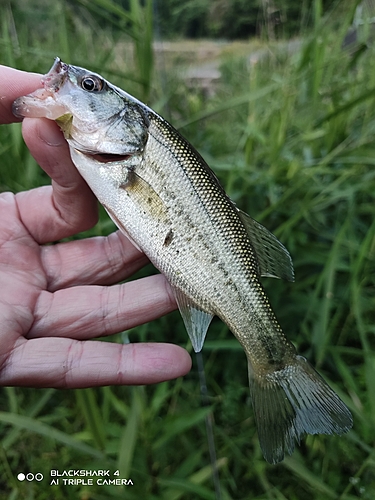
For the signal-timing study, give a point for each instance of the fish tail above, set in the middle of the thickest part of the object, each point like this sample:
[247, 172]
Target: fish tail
[291, 402]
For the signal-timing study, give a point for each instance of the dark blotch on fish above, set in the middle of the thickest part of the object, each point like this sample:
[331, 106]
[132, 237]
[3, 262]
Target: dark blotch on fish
[168, 238]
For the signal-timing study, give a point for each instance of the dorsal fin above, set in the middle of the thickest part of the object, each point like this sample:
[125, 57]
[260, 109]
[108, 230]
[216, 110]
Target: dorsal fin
[196, 320]
[273, 258]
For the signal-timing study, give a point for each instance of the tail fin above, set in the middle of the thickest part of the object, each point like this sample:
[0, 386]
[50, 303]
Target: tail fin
[291, 402]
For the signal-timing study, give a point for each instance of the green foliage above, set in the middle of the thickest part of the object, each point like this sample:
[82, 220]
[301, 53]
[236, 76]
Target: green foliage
[290, 131]
[233, 19]
[137, 22]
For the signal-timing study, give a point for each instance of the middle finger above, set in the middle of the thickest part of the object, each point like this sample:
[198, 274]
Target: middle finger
[101, 260]
[86, 312]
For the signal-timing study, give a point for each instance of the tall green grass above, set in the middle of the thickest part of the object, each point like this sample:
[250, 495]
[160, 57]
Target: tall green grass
[290, 133]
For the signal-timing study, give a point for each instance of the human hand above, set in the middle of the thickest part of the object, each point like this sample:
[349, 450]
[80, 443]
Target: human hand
[55, 298]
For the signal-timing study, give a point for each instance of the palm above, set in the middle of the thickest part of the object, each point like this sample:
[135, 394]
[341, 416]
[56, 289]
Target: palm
[54, 298]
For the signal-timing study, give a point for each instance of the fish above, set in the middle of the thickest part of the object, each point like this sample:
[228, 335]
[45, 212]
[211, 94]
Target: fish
[162, 195]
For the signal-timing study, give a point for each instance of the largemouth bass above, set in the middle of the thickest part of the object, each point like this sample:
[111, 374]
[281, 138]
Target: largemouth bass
[160, 192]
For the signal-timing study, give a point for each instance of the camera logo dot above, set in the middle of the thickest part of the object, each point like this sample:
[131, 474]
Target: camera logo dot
[30, 477]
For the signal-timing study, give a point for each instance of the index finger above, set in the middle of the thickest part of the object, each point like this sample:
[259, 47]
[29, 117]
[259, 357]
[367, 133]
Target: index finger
[14, 83]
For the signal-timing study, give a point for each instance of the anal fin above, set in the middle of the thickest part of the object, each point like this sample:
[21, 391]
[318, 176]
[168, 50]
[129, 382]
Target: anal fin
[195, 319]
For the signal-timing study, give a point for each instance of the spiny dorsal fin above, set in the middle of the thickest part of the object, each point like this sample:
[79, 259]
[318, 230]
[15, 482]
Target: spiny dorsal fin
[273, 258]
[196, 320]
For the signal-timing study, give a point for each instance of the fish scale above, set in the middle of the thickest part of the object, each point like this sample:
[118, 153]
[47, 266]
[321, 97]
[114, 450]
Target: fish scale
[221, 213]
[222, 221]
[164, 197]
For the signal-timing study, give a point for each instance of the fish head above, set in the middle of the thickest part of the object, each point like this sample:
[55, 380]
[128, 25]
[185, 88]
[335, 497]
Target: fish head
[96, 117]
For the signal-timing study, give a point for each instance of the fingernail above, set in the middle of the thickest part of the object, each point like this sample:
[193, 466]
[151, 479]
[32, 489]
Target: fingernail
[50, 133]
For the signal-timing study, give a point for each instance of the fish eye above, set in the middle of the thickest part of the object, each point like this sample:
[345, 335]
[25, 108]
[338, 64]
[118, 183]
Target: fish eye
[92, 83]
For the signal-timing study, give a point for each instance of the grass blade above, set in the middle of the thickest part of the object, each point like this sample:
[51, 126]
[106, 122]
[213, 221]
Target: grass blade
[32, 425]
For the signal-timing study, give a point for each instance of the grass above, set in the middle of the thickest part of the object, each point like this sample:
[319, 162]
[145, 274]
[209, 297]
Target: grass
[291, 137]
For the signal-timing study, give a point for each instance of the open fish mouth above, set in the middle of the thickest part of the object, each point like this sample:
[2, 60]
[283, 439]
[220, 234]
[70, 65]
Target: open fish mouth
[42, 102]
[55, 78]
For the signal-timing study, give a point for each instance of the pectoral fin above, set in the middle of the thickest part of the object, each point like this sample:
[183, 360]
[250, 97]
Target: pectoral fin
[145, 195]
[196, 320]
[273, 258]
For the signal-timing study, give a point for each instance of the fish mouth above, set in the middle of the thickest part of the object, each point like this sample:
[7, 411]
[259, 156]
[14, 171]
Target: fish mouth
[55, 78]
[42, 103]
